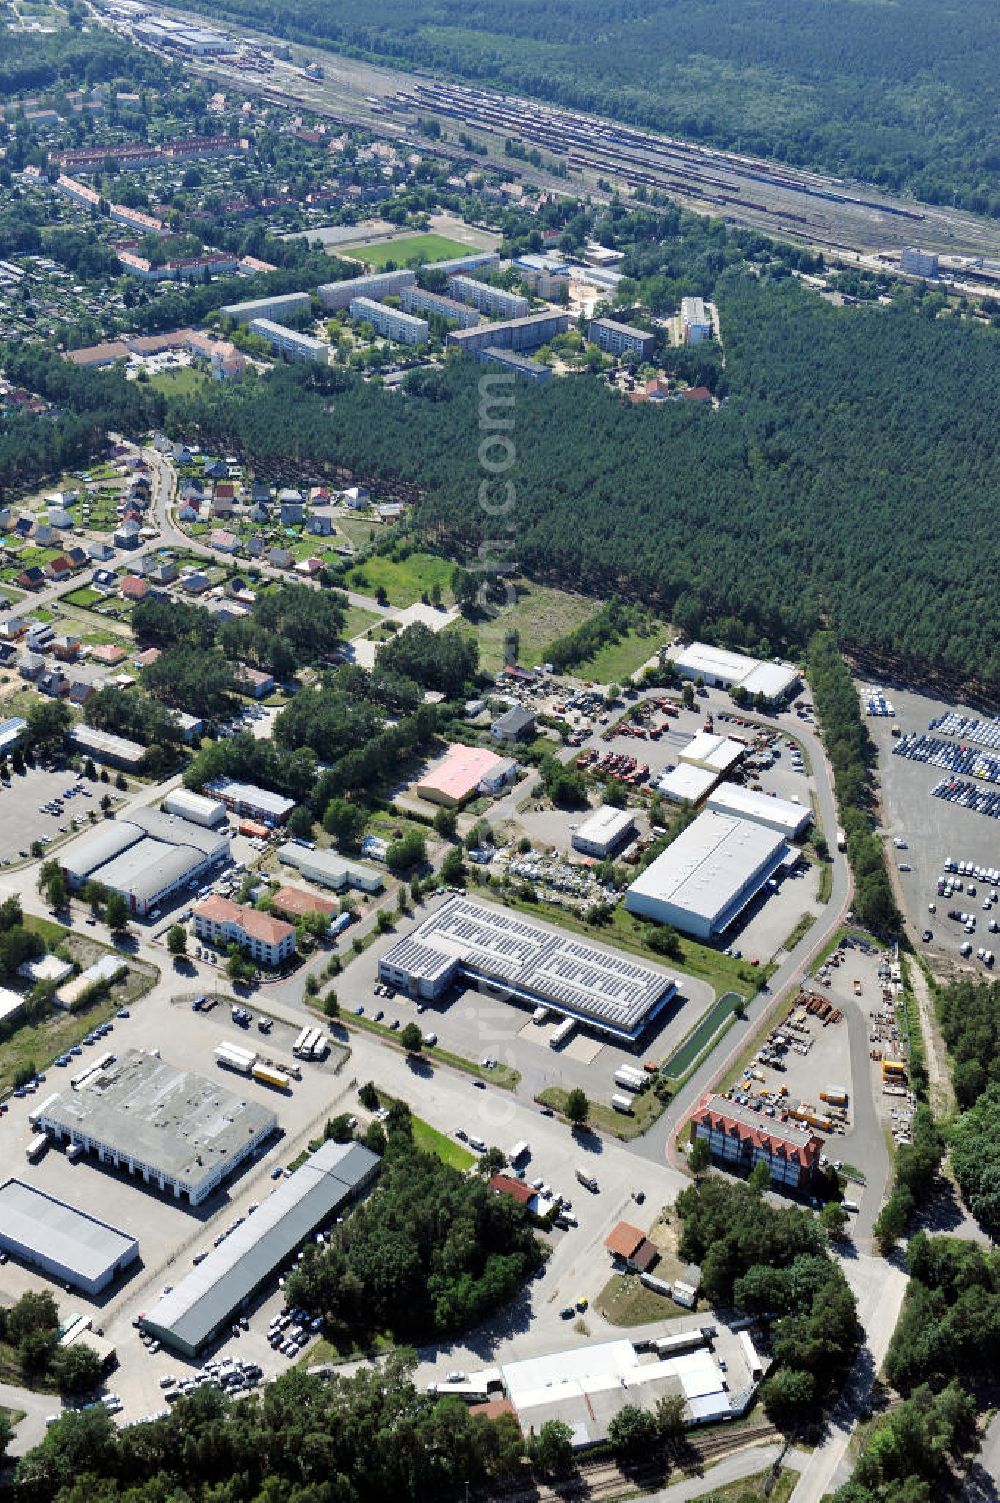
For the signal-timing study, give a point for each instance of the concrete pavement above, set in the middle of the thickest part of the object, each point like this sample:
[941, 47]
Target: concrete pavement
[879, 1287]
[36, 1408]
[982, 1483]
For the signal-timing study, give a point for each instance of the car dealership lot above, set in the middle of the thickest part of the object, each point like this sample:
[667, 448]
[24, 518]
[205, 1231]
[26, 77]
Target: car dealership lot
[932, 830]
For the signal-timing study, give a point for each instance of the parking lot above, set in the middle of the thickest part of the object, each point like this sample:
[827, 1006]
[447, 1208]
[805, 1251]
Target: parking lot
[22, 819]
[933, 830]
[478, 1026]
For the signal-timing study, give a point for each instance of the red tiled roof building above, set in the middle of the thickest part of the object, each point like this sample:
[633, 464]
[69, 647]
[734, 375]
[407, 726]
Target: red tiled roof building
[740, 1138]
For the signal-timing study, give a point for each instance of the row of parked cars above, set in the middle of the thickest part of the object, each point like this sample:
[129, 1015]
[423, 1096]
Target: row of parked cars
[229, 1374]
[292, 1330]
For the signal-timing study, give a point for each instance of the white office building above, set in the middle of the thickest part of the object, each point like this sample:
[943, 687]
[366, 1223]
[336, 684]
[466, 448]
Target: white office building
[716, 754]
[919, 263]
[695, 321]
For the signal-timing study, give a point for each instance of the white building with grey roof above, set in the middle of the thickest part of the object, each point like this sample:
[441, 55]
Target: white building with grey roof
[147, 858]
[708, 876]
[176, 1131]
[63, 1243]
[208, 1297]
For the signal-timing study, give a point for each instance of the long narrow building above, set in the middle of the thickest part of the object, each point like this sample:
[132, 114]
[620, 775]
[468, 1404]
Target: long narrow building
[205, 1301]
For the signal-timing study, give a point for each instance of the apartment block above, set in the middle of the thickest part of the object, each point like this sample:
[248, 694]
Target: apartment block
[496, 301]
[290, 343]
[339, 295]
[390, 322]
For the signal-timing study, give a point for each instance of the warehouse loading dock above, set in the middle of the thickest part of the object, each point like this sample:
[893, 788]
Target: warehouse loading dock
[173, 1129]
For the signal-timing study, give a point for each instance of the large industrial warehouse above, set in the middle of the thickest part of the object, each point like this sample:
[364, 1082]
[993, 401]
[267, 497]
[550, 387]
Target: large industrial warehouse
[207, 1298]
[477, 943]
[146, 858]
[711, 872]
[175, 1130]
[731, 670]
[60, 1241]
[781, 814]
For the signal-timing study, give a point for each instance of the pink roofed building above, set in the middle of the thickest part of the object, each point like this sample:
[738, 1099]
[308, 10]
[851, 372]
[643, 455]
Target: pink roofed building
[458, 775]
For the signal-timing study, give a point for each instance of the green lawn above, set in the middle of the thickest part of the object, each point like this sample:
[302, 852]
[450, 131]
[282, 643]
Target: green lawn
[358, 528]
[83, 597]
[430, 1140]
[404, 582]
[357, 621]
[411, 248]
[646, 1108]
[539, 615]
[180, 383]
[619, 660]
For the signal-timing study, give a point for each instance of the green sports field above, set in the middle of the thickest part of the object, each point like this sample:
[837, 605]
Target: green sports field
[412, 248]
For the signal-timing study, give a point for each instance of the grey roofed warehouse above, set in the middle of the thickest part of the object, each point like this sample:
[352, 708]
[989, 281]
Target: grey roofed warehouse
[205, 1300]
[145, 857]
[177, 1130]
[478, 942]
[61, 1241]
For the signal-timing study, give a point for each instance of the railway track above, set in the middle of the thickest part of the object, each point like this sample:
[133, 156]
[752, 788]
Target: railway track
[601, 1478]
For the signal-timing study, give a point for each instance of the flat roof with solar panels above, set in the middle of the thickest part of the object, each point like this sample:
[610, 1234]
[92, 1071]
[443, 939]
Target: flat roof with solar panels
[173, 1129]
[477, 943]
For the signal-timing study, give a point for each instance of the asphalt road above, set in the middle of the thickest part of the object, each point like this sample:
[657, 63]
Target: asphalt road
[982, 1485]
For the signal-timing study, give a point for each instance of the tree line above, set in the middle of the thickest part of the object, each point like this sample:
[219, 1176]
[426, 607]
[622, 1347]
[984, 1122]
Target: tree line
[969, 1013]
[851, 756]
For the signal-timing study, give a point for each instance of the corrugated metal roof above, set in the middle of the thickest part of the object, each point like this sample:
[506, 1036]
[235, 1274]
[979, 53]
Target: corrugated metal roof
[103, 844]
[708, 865]
[210, 1293]
[61, 1234]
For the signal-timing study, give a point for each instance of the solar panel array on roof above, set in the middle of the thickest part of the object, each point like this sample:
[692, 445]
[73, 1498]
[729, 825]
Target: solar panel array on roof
[597, 985]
